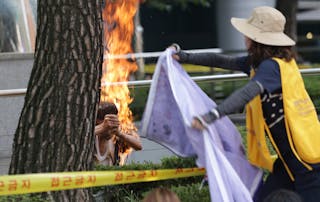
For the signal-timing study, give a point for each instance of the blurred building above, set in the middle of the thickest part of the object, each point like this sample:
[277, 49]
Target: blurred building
[210, 27]
[193, 28]
[197, 26]
[17, 25]
[308, 30]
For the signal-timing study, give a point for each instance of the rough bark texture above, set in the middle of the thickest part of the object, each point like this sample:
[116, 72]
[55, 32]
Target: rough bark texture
[289, 10]
[138, 44]
[56, 126]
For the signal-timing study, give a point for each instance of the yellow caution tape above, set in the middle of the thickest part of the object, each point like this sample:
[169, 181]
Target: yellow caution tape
[43, 182]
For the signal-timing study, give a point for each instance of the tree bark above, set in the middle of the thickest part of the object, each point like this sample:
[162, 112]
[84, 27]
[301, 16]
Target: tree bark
[289, 10]
[56, 127]
[138, 44]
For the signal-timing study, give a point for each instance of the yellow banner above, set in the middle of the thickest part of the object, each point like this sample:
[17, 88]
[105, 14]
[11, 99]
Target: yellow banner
[42, 182]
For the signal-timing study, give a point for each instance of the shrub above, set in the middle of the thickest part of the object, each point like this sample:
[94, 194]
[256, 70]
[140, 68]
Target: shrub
[192, 192]
[134, 192]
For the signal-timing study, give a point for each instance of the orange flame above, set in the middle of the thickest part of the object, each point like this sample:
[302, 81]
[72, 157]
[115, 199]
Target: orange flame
[119, 18]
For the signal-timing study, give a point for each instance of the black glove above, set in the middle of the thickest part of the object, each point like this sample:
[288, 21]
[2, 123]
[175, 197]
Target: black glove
[183, 56]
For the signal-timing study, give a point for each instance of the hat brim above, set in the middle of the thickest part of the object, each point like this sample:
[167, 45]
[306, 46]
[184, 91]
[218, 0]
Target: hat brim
[267, 38]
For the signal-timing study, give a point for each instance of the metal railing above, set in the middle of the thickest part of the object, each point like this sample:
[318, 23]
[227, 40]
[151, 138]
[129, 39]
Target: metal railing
[157, 54]
[223, 77]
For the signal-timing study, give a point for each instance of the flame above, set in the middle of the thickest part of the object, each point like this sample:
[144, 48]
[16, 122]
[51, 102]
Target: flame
[119, 28]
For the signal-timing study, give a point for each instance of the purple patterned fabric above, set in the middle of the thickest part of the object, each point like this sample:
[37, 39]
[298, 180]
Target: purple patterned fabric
[174, 99]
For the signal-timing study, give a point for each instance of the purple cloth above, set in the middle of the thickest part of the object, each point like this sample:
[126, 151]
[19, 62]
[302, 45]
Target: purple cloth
[174, 99]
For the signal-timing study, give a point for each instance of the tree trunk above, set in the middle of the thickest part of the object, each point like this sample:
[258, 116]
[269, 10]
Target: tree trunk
[138, 44]
[289, 10]
[56, 127]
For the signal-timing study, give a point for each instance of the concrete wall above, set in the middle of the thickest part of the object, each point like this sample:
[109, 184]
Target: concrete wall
[15, 70]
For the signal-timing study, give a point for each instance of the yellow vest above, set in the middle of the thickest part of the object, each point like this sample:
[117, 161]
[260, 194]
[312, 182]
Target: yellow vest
[301, 120]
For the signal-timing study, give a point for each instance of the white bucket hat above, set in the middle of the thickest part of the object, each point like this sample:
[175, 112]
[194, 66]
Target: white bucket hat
[265, 26]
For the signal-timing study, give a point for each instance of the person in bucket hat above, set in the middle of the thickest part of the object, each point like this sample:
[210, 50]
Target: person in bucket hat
[265, 26]
[278, 107]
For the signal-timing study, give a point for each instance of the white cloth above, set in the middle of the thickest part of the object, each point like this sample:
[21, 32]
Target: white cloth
[174, 99]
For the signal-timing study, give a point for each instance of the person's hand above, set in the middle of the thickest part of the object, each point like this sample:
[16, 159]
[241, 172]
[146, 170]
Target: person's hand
[110, 124]
[177, 49]
[176, 57]
[111, 121]
[197, 124]
[201, 122]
